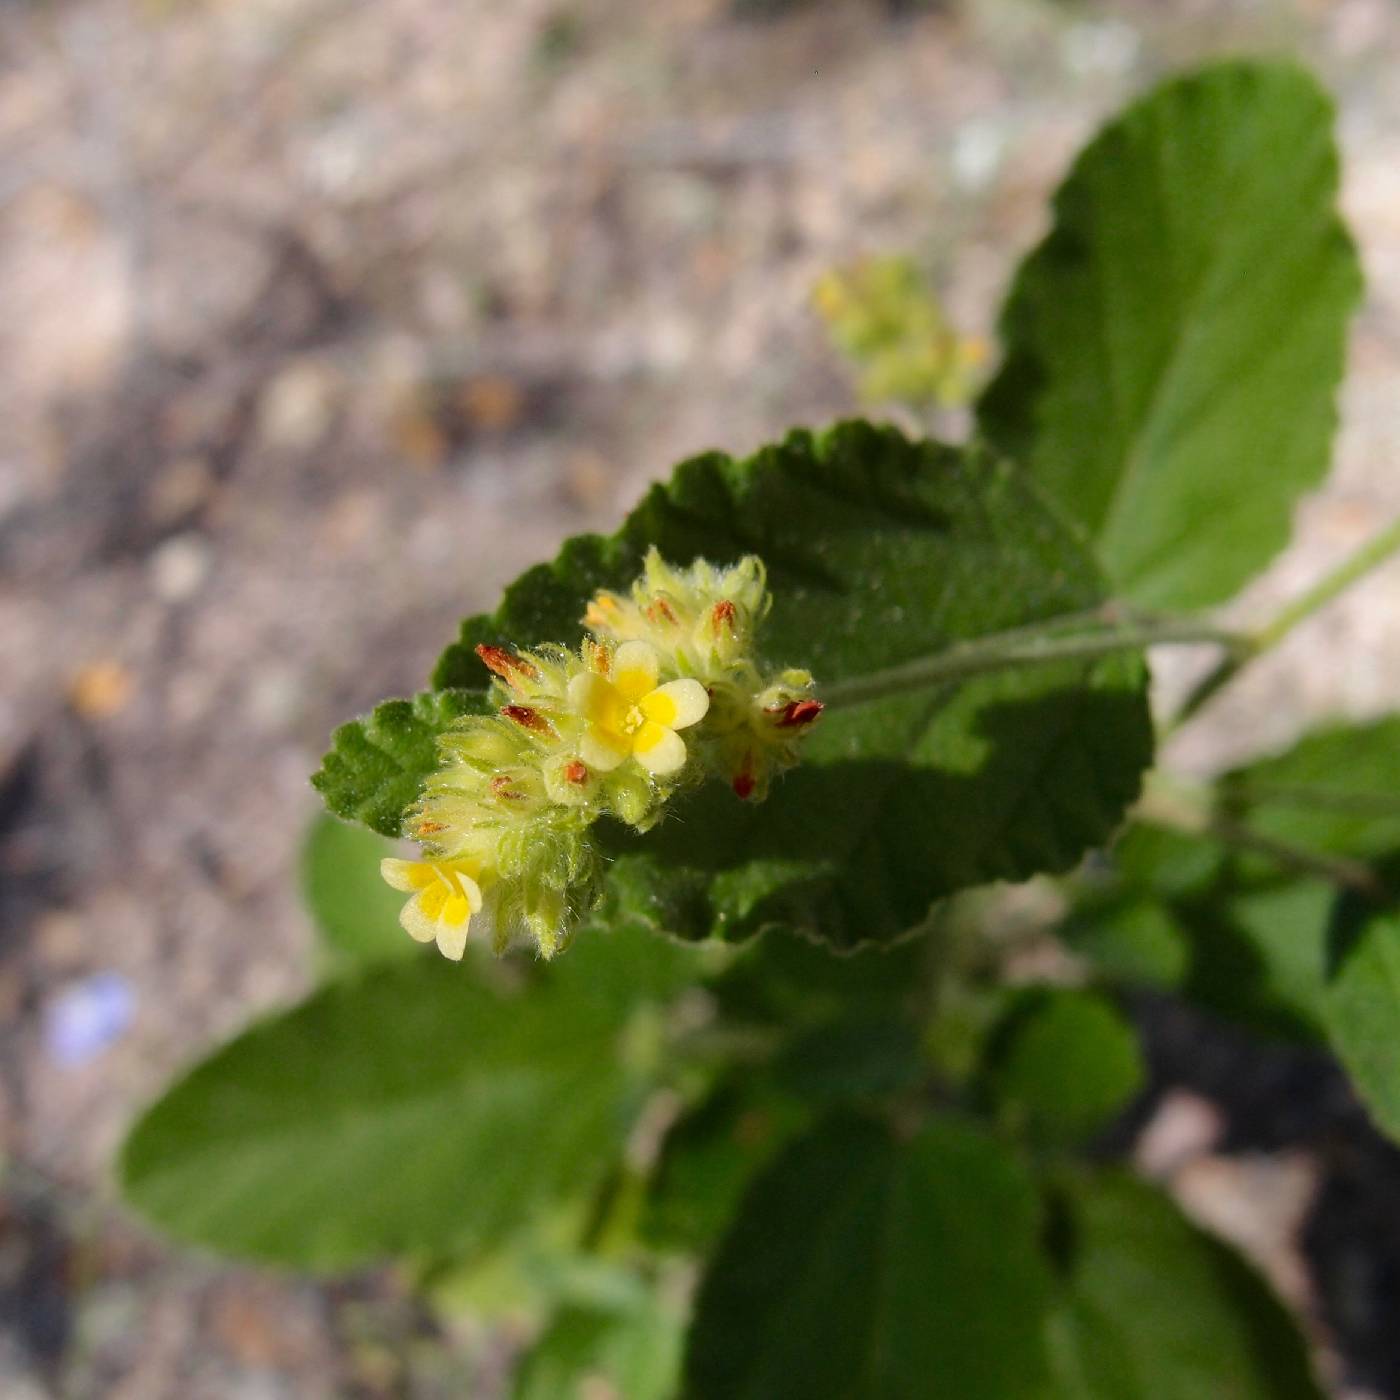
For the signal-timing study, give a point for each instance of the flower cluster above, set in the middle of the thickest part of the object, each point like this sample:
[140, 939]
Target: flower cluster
[664, 692]
[881, 313]
[704, 620]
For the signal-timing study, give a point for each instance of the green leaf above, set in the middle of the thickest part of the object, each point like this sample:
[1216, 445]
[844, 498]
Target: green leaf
[967, 1014]
[356, 913]
[1068, 1063]
[855, 1059]
[709, 1157]
[417, 1108]
[1234, 931]
[377, 763]
[1337, 790]
[1259, 932]
[521, 1280]
[796, 984]
[1134, 941]
[1174, 346]
[1258, 954]
[1153, 1309]
[589, 1351]
[870, 1268]
[1124, 915]
[1170, 864]
[1362, 1003]
[827, 1029]
[878, 550]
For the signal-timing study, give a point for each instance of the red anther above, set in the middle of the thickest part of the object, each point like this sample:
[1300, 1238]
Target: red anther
[529, 719]
[660, 605]
[426, 828]
[722, 615]
[506, 664]
[744, 784]
[576, 772]
[796, 713]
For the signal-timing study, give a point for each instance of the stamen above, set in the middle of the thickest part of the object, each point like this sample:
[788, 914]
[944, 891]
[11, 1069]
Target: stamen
[529, 719]
[502, 786]
[796, 713]
[509, 667]
[722, 616]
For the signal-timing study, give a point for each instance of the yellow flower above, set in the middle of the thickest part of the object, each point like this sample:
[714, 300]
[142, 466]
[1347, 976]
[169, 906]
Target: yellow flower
[627, 715]
[445, 896]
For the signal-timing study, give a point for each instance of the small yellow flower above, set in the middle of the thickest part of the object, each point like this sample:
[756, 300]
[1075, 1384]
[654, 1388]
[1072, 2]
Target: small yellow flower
[445, 896]
[627, 715]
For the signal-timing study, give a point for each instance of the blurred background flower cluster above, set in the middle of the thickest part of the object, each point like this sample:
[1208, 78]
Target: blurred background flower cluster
[318, 321]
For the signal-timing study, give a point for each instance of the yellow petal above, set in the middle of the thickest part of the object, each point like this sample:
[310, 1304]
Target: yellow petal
[592, 697]
[677, 704]
[659, 707]
[471, 891]
[452, 939]
[455, 911]
[416, 923]
[659, 750]
[602, 750]
[635, 668]
[431, 900]
[405, 875]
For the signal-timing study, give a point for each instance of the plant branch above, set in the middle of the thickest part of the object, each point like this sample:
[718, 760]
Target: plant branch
[1004, 651]
[1357, 565]
[1178, 806]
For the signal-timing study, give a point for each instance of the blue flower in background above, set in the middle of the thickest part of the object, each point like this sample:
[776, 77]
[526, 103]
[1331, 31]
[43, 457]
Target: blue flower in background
[88, 1017]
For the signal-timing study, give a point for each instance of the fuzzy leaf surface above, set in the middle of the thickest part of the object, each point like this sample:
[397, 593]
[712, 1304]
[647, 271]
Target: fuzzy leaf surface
[709, 1157]
[1174, 346]
[418, 1108]
[1362, 1003]
[1069, 1061]
[1150, 1308]
[377, 763]
[874, 1269]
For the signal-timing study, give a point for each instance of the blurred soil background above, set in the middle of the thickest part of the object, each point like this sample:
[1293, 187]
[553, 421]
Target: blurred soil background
[318, 321]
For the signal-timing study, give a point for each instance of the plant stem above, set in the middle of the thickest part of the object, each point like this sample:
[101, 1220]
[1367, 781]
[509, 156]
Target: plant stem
[1350, 874]
[1331, 585]
[1005, 651]
[1180, 805]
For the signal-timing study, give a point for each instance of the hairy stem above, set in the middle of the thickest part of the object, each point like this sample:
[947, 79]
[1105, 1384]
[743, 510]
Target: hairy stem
[1373, 553]
[1180, 805]
[1003, 651]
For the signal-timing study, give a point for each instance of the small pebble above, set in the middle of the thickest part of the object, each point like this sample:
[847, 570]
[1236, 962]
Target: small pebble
[101, 689]
[179, 566]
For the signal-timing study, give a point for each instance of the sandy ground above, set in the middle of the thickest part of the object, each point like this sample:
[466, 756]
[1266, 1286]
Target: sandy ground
[318, 321]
